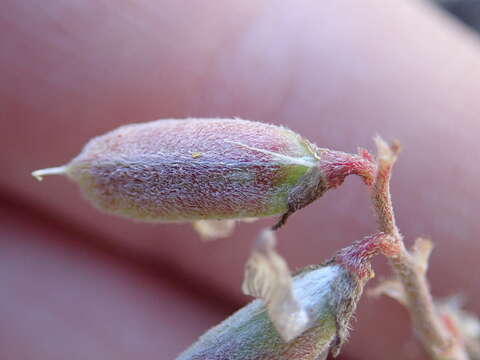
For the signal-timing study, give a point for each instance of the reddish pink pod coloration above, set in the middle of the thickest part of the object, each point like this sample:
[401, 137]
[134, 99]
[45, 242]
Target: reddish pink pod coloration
[205, 169]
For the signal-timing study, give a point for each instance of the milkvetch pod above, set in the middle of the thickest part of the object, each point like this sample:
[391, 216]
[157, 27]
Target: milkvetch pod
[207, 170]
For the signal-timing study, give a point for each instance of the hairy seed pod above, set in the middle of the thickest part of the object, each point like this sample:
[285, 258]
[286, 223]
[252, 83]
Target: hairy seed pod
[250, 333]
[328, 293]
[204, 169]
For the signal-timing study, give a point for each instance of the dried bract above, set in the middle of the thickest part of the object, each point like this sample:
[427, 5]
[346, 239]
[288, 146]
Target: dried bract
[267, 277]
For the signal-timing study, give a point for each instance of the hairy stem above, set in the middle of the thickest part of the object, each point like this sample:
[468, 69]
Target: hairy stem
[428, 326]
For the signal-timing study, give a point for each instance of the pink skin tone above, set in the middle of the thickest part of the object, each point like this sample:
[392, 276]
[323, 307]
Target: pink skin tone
[64, 298]
[336, 72]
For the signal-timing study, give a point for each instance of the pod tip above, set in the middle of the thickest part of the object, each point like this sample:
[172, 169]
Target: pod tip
[39, 174]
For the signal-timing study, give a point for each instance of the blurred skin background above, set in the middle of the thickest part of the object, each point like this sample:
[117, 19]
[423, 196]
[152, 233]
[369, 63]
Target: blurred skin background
[78, 284]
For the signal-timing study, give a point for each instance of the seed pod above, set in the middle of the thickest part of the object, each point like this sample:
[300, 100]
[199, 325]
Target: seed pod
[327, 293]
[250, 334]
[204, 169]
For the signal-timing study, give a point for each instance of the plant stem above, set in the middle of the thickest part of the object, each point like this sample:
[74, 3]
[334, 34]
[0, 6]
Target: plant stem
[428, 326]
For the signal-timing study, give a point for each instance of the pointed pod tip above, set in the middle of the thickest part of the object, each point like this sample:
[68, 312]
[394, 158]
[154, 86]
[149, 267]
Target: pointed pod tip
[39, 174]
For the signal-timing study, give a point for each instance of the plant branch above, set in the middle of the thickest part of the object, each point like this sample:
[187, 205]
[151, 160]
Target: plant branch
[410, 267]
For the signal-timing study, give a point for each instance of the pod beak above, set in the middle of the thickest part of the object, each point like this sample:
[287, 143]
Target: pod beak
[39, 174]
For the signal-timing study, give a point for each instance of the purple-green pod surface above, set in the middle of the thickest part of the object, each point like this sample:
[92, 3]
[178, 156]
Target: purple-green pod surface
[274, 327]
[329, 293]
[205, 169]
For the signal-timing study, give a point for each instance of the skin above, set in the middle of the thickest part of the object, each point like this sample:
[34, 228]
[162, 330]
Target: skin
[337, 72]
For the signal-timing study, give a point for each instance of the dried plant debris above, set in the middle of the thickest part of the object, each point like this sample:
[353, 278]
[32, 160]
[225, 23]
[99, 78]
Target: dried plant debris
[460, 328]
[464, 325]
[303, 317]
[214, 229]
[267, 277]
[207, 169]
